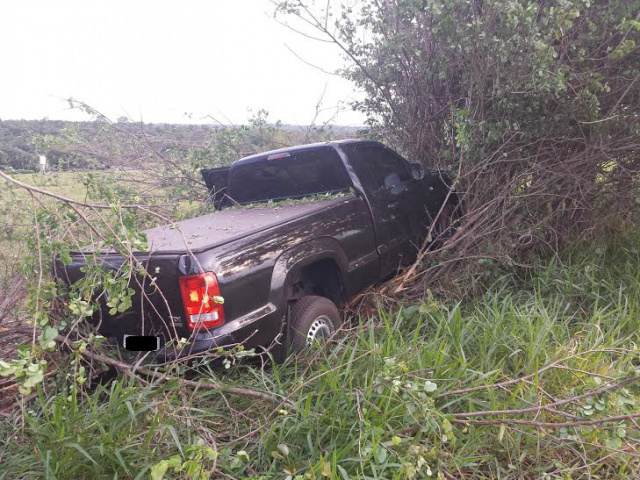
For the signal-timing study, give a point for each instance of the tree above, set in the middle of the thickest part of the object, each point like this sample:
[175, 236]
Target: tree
[534, 104]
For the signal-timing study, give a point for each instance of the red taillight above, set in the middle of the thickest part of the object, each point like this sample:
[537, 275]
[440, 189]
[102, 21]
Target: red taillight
[203, 305]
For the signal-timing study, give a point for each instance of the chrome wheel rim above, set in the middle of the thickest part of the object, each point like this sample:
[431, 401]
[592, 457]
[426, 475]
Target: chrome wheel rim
[320, 329]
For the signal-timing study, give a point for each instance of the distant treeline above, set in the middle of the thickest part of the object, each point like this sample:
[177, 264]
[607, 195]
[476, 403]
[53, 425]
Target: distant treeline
[89, 145]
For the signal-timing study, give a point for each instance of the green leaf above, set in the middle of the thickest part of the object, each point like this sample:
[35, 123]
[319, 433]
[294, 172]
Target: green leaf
[174, 461]
[159, 469]
[282, 448]
[243, 456]
[503, 429]
[24, 390]
[430, 386]
[65, 258]
[48, 336]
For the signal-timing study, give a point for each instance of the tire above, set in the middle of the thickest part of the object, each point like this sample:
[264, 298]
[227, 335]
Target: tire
[312, 319]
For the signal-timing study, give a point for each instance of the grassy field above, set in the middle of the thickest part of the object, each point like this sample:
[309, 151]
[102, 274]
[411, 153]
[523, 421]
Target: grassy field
[390, 400]
[18, 207]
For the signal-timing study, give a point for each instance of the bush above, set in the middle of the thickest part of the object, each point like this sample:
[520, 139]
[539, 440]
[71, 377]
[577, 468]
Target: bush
[534, 106]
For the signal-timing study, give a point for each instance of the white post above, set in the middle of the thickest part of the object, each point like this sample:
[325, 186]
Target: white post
[43, 163]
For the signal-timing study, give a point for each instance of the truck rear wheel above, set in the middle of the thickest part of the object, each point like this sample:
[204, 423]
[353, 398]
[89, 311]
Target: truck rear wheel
[313, 320]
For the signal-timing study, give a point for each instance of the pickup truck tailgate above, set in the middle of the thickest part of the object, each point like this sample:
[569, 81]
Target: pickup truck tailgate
[157, 312]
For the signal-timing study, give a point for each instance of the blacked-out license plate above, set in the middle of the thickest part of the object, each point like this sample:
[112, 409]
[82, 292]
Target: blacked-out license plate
[141, 343]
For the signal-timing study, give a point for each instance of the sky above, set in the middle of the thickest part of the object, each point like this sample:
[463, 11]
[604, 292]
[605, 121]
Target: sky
[173, 61]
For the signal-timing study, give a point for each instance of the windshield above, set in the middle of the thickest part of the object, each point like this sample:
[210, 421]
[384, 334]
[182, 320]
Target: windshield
[288, 175]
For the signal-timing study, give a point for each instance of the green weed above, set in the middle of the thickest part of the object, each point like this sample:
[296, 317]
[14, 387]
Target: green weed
[388, 400]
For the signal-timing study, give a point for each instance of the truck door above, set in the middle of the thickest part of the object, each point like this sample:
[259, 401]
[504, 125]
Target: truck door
[396, 200]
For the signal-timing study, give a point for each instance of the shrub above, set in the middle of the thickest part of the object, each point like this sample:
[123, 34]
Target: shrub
[534, 106]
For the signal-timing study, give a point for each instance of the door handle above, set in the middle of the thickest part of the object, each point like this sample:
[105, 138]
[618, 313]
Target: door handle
[392, 205]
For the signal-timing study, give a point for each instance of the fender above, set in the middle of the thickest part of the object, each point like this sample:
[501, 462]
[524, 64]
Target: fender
[290, 262]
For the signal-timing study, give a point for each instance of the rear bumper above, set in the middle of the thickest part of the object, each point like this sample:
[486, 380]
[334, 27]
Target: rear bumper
[257, 328]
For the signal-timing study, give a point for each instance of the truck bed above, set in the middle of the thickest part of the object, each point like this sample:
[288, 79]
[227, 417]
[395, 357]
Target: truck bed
[208, 231]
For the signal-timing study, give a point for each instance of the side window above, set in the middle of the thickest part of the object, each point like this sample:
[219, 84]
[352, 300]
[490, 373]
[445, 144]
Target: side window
[379, 167]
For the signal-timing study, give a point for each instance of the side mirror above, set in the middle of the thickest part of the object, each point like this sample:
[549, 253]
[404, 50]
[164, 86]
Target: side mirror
[417, 171]
[392, 180]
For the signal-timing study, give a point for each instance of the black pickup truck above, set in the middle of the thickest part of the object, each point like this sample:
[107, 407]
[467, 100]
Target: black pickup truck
[296, 233]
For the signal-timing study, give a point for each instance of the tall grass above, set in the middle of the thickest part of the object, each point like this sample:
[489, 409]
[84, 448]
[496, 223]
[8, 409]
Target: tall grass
[385, 401]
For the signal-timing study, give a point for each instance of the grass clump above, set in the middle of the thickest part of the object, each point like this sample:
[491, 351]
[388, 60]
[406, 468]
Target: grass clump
[503, 386]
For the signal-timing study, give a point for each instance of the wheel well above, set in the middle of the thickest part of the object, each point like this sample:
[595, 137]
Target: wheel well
[321, 278]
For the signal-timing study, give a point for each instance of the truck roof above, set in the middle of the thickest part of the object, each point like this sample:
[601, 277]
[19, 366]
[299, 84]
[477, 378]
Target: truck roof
[259, 156]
